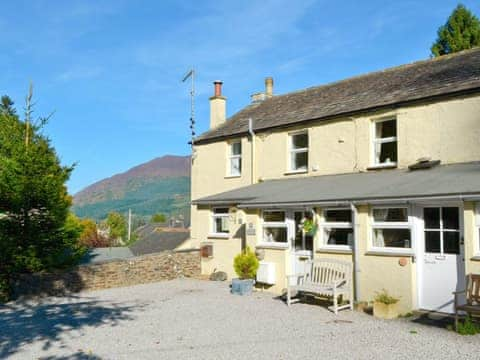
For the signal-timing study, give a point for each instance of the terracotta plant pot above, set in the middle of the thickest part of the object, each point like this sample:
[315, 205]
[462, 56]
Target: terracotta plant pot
[385, 311]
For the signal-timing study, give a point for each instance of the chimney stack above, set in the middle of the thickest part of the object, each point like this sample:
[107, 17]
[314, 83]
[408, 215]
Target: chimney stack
[218, 105]
[268, 87]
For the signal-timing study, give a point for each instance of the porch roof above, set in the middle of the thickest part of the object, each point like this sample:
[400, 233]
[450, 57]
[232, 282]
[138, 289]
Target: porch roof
[447, 181]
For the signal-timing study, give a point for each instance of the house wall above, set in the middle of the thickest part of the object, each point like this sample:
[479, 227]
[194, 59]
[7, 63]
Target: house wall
[446, 130]
[472, 248]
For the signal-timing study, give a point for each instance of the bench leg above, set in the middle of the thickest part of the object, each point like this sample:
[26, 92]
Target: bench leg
[288, 296]
[335, 303]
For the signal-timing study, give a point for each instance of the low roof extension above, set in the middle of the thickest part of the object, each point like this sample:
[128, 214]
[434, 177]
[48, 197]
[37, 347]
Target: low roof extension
[444, 181]
[449, 75]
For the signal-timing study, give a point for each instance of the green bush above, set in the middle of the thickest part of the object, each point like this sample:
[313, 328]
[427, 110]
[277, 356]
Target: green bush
[468, 327]
[385, 298]
[246, 264]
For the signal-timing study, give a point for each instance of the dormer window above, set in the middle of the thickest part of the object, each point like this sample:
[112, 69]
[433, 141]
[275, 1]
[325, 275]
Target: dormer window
[299, 152]
[385, 142]
[235, 158]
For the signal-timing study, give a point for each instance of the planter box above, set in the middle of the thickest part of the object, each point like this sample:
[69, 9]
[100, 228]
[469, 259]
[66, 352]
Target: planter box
[242, 287]
[384, 311]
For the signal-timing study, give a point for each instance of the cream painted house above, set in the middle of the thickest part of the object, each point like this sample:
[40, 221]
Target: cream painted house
[387, 166]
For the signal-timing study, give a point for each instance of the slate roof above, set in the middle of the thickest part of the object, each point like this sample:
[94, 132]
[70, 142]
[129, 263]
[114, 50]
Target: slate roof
[99, 255]
[442, 76]
[461, 179]
[152, 239]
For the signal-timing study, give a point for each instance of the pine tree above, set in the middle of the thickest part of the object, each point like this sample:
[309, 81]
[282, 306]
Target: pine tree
[6, 106]
[461, 32]
[34, 204]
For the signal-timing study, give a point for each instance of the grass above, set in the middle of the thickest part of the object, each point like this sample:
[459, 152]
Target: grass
[468, 327]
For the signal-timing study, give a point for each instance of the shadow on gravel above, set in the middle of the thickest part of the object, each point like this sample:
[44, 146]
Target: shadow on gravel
[22, 322]
[434, 319]
[77, 356]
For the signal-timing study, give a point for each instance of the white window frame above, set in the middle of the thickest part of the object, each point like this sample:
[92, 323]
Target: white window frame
[335, 225]
[231, 157]
[476, 245]
[274, 224]
[392, 225]
[292, 151]
[213, 226]
[378, 141]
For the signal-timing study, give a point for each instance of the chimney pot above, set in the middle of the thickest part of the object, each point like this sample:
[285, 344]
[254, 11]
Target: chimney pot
[268, 87]
[218, 104]
[218, 88]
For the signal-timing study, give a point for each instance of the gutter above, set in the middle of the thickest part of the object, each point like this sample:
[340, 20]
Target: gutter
[347, 202]
[356, 255]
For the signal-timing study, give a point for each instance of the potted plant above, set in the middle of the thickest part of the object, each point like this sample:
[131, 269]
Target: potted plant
[246, 266]
[385, 305]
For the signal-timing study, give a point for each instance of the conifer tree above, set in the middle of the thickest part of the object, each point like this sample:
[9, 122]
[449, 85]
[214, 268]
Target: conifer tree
[460, 32]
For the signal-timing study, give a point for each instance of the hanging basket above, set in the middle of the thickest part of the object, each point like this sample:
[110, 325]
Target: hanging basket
[309, 227]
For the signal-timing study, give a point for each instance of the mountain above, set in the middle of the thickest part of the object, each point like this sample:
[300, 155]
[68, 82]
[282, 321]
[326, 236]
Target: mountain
[160, 185]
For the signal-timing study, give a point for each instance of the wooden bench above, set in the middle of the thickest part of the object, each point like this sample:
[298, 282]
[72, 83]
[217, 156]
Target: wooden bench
[472, 294]
[324, 277]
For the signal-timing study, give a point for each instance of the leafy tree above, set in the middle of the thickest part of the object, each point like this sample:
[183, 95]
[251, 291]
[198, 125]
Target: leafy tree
[90, 236]
[158, 218]
[117, 224]
[34, 204]
[460, 32]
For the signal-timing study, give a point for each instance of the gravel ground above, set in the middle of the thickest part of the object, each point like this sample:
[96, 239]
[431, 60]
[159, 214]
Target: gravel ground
[192, 319]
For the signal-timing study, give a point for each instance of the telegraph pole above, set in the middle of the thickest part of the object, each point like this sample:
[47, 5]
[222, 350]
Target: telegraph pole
[129, 224]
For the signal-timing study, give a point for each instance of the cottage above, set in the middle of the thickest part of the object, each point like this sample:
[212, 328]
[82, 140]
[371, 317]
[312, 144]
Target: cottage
[385, 166]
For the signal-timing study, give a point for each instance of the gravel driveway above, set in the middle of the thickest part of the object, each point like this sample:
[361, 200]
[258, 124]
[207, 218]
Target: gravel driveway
[193, 319]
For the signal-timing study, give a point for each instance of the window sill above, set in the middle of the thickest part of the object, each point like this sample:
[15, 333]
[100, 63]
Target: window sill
[475, 257]
[383, 166]
[391, 253]
[334, 250]
[218, 236]
[275, 246]
[295, 172]
[232, 176]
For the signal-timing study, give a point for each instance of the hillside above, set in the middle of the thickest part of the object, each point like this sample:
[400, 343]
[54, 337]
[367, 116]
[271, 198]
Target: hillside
[160, 185]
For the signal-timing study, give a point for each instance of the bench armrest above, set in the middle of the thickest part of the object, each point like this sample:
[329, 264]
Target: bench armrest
[459, 292]
[295, 276]
[337, 283]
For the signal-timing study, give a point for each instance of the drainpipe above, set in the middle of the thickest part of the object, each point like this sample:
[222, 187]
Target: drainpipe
[252, 149]
[356, 254]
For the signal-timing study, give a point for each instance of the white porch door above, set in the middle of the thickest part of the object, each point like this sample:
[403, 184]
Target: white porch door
[301, 243]
[443, 268]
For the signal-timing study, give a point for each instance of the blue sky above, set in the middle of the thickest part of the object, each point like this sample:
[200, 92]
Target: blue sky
[111, 70]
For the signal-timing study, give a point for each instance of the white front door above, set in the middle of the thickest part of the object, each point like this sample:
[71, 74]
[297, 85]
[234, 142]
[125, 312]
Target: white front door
[442, 269]
[301, 243]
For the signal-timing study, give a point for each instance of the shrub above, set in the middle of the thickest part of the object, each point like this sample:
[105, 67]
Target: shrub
[385, 298]
[246, 264]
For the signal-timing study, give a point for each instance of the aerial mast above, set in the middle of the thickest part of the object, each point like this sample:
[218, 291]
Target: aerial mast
[191, 74]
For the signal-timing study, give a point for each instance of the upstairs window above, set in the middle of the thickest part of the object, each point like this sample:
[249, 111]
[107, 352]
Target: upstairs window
[385, 142]
[220, 221]
[235, 158]
[299, 152]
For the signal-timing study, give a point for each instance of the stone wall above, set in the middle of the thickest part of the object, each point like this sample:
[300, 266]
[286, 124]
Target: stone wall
[165, 265]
